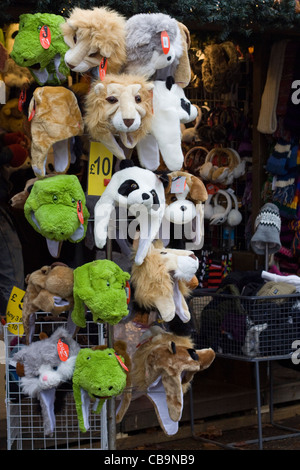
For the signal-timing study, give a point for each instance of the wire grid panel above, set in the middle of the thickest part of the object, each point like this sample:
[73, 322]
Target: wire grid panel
[25, 430]
[247, 327]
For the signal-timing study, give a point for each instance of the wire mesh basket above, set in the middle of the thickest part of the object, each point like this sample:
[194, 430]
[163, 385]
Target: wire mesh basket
[25, 428]
[249, 327]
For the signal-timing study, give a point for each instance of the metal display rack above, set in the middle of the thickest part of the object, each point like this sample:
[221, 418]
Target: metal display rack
[253, 329]
[24, 420]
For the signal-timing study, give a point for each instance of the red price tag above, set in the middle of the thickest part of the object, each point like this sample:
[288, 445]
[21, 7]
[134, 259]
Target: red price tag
[32, 112]
[165, 42]
[128, 291]
[121, 362]
[63, 350]
[103, 68]
[79, 212]
[22, 99]
[45, 37]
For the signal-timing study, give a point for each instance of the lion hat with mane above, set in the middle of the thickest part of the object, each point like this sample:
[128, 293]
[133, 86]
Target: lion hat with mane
[119, 106]
[92, 35]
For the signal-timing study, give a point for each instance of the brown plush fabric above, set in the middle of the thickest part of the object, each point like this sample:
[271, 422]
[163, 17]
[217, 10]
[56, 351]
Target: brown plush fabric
[183, 71]
[42, 286]
[57, 117]
[220, 67]
[171, 357]
[197, 190]
[153, 281]
[98, 31]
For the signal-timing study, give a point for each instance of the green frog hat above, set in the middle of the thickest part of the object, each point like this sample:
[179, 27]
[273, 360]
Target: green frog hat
[39, 46]
[102, 286]
[56, 208]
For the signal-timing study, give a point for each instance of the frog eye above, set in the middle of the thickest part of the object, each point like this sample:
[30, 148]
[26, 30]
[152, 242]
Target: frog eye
[108, 284]
[89, 357]
[73, 200]
[55, 198]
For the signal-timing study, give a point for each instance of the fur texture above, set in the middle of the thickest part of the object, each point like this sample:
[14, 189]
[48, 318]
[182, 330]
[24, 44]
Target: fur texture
[47, 66]
[91, 35]
[120, 105]
[161, 281]
[98, 376]
[44, 371]
[46, 289]
[144, 49]
[173, 360]
[52, 210]
[56, 119]
[171, 108]
[141, 193]
[100, 285]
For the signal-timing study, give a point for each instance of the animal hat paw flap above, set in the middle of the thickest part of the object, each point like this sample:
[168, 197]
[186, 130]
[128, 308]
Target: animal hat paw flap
[56, 208]
[99, 374]
[170, 108]
[100, 285]
[163, 367]
[47, 364]
[39, 46]
[55, 119]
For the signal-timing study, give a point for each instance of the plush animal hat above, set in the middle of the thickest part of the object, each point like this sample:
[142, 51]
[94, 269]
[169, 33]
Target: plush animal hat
[163, 367]
[185, 198]
[162, 281]
[100, 373]
[93, 36]
[220, 67]
[141, 193]
[47, 364]
[100, 285]
[56, 208]
[119, 106]
[171, 108]
[157, 47]
[40, 47]
[55, 118]
[49, 289]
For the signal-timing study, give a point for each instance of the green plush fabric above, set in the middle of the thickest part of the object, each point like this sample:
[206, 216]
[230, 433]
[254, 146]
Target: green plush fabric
[100, 285]
[99, 373]
[51, 208]
[47, 66]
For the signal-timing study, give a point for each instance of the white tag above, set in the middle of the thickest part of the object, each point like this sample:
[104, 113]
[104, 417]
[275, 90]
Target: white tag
[178, 184]
[2, 92]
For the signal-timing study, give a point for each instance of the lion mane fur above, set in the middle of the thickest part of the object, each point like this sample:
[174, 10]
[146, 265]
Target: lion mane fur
[153, 280]
[99, 112]
[97, 29]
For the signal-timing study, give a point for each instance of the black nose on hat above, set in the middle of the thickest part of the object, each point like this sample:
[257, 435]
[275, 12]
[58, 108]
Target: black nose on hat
[183, 208]
[145, 196]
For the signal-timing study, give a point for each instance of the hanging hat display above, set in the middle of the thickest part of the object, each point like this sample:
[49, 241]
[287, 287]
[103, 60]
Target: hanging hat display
[267, 230]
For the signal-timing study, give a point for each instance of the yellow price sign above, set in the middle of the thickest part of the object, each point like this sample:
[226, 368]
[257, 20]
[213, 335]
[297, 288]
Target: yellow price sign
[100, 168]
[14, 311]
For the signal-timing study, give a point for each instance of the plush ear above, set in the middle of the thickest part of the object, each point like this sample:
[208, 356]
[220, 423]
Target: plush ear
[206, 357]
[198, 190]
[98, 88]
